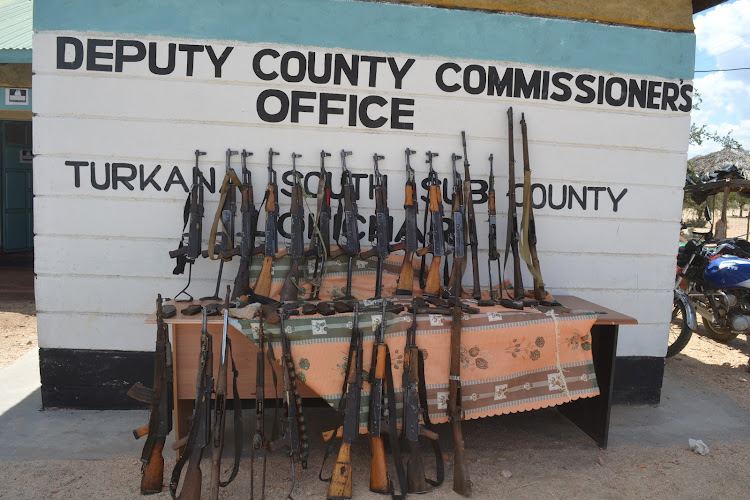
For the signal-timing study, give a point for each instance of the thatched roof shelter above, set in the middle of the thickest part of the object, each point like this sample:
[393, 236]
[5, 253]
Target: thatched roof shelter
[706, 164]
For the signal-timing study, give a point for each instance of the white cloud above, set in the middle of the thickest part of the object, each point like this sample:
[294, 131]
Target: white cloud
[723, 33]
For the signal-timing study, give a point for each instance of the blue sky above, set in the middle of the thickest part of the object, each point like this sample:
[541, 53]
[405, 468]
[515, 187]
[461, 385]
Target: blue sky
[723, 42]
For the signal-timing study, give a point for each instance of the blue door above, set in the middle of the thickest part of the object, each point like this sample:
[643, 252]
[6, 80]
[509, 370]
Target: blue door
[16, 201]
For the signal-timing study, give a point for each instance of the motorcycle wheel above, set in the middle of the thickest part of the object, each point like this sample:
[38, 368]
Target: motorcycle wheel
[679, 333]
[719, 335]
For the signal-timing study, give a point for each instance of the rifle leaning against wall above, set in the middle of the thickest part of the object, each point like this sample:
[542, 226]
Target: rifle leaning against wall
[193, 221]
[199, 435]
[271, 245]
[511, 239]
[461, 482]
[290, 289]
[249, 230]
[349, 223]
[382, 247]
[320, 244]
[458, 216]
[409, 242]
[471, 223]
[259, 436]
[434, 238]
[160, 401]
[225, 215]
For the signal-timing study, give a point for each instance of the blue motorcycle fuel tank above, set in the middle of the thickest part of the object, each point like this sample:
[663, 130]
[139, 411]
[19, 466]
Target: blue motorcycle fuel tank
[728, 272]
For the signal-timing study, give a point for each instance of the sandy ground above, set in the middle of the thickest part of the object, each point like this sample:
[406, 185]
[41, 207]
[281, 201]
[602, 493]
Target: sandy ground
[17, 330]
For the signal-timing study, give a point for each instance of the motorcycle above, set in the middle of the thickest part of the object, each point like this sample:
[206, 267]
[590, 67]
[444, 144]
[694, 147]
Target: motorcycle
[713, 281]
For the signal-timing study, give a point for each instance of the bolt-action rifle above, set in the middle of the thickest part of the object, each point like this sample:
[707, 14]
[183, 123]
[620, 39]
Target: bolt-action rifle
[220, 413]
[409, 242]
[458, 216]
[271, 245]
[294, 428]
[471, 223]
[192, 215]
[511, 239]
[347, 214]
[249, 230]
[461, 482]
[382, 247]
[225, 215]
[340, 486]
[435, 236]
[416, 417]
[320, 244]
[199, 435]
[160, 401]
[290, 290]
[528, 226]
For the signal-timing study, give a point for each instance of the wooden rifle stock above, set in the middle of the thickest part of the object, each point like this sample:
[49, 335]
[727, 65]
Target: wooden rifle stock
[406, 276]
[432, 283]
[340, 487]
[152, 476]
[378, 466]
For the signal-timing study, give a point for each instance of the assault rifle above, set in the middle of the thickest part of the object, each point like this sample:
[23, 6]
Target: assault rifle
[271, 245]
[347, 214]
[458, 217]
[224, 214]
[192, 215]
[409, 241]
[416, 416]
[511, 239]
[436, 245]
[471, 223]
[320, 244]
[220, 413]
[160, 401]
[528, 226]
[259, 437]
[461, 482]
[199, 435]
[382, 247]
[294, 428]
[290, 290]
[249, 229]
[340, 486]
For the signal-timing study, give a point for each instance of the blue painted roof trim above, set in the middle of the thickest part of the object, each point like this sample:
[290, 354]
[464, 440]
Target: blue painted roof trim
[15, 56]
[390, 28]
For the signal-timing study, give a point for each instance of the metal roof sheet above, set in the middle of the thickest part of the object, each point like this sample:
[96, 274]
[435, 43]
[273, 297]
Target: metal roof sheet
[16, 26]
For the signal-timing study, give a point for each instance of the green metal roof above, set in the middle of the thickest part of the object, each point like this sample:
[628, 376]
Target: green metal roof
[16, 30]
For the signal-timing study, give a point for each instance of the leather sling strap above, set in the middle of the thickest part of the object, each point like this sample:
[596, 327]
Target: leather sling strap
[439, 465]
[237, 409]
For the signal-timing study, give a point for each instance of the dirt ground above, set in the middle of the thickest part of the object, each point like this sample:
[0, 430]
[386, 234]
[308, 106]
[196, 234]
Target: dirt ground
[17, 330]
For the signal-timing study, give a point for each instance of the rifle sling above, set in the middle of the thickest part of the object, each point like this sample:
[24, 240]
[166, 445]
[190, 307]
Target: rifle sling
[237, 409]
[179, 267]
[439, 466]
[229, 177]
[392, 430]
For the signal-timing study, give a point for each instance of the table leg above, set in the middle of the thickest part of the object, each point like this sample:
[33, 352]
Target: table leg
[591, 415]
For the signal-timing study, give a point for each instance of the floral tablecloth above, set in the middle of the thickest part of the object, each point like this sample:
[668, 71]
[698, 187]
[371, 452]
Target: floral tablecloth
[511, 360]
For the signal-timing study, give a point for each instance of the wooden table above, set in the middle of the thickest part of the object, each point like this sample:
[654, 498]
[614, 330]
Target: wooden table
[589, 414]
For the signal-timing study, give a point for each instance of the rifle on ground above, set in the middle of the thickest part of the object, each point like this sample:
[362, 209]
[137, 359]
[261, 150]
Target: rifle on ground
[347, 215]
[409, 241]
[249, 230]
[259, 437]
[436, 245]
[458, 216]
[294, 428]
[220, 413]
[320, 244]
[528, 226]
[461, 482]
[416, 416]
[291, 288]
[340, 486]
[382, 247]
[471, 223]
[511, 239]
[160, 401]
[225, 215]
[199, 435]
[271, 245]
[193, 220]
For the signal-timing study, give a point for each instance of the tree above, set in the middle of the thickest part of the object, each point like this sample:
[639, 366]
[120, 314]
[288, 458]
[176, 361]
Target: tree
[699, 134]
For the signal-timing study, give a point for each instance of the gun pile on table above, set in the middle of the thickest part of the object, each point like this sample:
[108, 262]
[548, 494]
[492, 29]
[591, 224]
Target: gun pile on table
[300, 294]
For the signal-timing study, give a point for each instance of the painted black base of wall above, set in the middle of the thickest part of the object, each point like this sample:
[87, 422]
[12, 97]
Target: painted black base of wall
[638, 380]
[99, 380]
